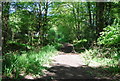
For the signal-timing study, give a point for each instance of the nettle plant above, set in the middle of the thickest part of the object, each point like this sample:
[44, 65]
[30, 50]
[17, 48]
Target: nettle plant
[110, 34]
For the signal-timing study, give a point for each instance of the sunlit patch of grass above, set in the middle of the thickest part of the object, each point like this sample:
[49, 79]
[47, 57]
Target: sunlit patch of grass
[102, 57]
[28, 62]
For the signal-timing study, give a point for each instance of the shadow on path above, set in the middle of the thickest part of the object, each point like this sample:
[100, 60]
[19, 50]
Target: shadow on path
[68, 72]
[62, 72]
[71, 67]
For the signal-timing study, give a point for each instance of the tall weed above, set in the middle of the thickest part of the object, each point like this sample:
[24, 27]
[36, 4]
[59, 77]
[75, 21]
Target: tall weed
[28, 62]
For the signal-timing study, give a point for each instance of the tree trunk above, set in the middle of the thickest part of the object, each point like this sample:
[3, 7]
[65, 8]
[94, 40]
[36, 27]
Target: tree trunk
[0, 28]
[45, 23]
[100, 17]
[89, 11]
[5, 19]
[39, 23]
[76, 16]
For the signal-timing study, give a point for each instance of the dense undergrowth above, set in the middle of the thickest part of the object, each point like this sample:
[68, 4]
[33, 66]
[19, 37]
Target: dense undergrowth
[28, 62]
[103, 57]
[108, 54]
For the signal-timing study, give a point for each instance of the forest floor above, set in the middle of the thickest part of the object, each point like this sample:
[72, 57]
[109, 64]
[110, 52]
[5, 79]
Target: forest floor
[72, 66]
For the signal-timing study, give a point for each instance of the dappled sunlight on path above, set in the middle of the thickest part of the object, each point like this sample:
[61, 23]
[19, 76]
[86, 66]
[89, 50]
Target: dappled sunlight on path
[71, 66]
[71, 60]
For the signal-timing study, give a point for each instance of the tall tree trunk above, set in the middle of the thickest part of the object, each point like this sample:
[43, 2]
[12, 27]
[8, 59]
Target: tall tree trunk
[100, 17]
[45, 23]
[5, 19]
[89, 11]
[39, 23]
[43, 6]
[46, 12]
[78, 20]
[76, 15]
[0, 29]
[75, 19]
[108, 15]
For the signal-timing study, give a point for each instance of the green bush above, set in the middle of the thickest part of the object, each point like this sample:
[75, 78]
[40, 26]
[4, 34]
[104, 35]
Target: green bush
[58, 45]
[80, 45]
[15, 46]
[29, 62]
[103, 56]
[110, 35]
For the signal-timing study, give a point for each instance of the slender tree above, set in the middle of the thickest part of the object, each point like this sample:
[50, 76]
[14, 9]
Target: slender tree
[5, 20]
[0, 38]
[89, 11]
[100, 17]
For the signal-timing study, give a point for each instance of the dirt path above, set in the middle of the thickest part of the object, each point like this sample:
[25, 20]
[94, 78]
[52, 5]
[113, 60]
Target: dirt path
[73, 60]
[67, 66]
[72, 66]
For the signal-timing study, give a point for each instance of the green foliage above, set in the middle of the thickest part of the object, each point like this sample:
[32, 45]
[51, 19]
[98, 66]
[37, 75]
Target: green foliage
[17, 47]
[19, 27]
[19, 44]
[110, 35]
[103, 57]
[79, 41]
[58, 45]
[80, 44]
[34, 25]
[52, 35]
[29, 62]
